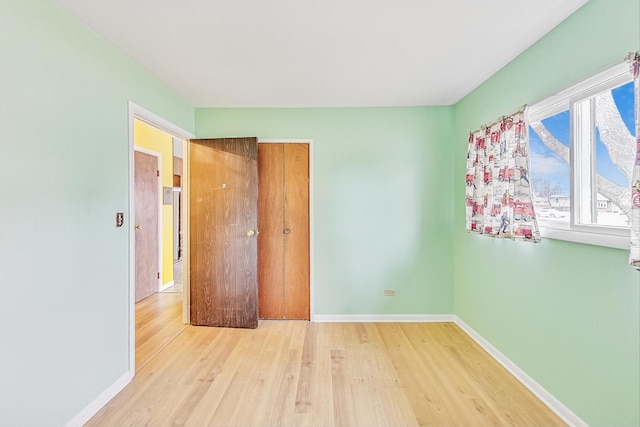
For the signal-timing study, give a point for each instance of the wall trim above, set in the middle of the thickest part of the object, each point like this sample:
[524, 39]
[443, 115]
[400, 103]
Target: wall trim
[167, 285]
[540, 392]
[157, 121]
[383, 318]
[90, 410]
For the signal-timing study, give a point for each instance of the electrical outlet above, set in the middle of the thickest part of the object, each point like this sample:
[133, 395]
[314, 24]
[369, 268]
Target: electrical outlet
[389, 292]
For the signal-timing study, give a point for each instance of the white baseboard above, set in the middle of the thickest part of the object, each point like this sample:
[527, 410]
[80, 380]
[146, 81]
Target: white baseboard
[339, 318]
[547, 398]
[165, 286]
[85, 415]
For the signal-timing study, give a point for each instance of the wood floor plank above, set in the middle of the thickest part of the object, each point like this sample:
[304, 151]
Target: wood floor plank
[158, 322]
[317, 399]
[201, 377]
[303, 393]
[388, 387]
[425, 397]
[452, 382]
[223, 403]
[298, 373]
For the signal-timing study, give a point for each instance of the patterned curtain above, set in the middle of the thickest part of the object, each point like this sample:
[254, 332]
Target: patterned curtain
[499, 201]
[634, 253]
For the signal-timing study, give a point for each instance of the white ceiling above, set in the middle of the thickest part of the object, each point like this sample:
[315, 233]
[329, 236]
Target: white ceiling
[322, 53]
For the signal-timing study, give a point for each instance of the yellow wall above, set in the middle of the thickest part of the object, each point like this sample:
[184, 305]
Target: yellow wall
[151, 138]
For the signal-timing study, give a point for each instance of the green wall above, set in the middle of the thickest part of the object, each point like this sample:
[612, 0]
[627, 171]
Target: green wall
[382, 197]
[388, 196]
[566, 313]
[64, 301]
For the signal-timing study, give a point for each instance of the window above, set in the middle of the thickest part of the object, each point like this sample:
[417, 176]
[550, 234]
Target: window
[582, 143]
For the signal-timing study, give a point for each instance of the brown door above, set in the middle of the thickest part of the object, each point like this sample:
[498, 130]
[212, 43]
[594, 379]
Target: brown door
[224, 205]
[146, 224]
[283, 244]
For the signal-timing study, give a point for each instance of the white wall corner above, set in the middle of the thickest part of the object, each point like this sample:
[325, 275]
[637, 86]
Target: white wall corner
[383, 318]
[547, 398]
[85, 415]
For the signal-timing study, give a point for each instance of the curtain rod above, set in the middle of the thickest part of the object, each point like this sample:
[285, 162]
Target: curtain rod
[631, 56]
[520, 109]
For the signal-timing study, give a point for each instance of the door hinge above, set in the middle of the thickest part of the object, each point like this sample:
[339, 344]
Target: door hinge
[158, 274]
[157, 173]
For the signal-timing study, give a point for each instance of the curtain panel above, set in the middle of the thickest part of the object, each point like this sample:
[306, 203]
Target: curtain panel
[634, 252]
[499, 200]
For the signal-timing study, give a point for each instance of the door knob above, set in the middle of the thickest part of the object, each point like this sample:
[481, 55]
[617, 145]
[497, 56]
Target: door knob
[286, 231]
[138, 227]
[251, 233]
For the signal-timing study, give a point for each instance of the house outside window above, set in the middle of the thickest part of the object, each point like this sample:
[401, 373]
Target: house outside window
[582, 152]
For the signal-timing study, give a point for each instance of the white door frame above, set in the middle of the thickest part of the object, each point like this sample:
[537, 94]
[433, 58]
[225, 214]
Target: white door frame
[311, 221]
[146, 116]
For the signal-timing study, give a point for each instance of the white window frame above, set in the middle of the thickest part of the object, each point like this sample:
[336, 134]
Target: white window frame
[615, 237]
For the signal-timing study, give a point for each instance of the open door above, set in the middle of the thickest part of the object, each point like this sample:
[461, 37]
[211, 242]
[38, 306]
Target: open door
[223, 229]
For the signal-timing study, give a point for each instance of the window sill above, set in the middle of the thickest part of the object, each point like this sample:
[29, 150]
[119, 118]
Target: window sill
[606, 240]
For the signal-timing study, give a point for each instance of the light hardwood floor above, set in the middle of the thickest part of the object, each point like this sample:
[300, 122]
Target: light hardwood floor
[158, 322]
[297, 373]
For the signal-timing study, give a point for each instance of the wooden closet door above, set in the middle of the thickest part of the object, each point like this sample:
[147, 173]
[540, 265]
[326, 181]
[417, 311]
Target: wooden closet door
[283, 243]
[296, 221]
[270, 224]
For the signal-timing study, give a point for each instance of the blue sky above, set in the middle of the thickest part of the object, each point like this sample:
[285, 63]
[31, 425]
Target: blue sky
[545, 164]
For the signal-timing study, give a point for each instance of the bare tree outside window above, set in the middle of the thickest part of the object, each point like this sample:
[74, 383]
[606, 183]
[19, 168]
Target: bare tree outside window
[545, 190]
[605, 134]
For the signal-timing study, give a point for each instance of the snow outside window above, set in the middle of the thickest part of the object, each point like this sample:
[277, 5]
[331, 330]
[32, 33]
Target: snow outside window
[582, 152]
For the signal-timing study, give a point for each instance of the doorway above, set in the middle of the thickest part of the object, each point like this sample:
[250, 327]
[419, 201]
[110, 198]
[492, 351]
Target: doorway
[139, 114]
